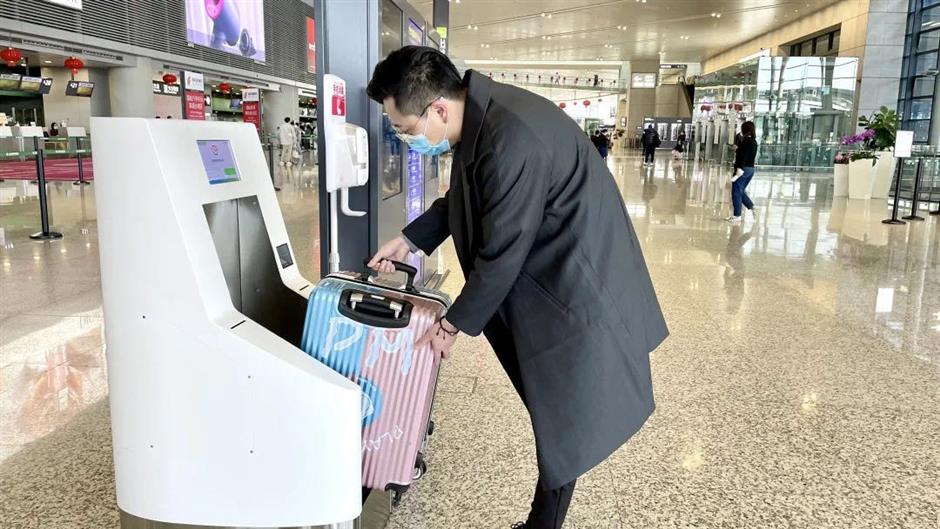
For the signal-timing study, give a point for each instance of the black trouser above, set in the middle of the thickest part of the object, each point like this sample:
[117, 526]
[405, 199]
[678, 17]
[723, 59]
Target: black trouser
[649, 153]
[549, 507]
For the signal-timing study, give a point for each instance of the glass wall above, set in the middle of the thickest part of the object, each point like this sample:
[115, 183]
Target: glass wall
[801, 106]
[920, 67]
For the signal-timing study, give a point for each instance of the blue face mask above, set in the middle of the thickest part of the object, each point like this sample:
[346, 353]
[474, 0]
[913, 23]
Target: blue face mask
[422, 145]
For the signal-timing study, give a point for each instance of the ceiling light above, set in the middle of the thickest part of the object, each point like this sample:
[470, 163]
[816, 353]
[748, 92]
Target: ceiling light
[47, 62]
[543, 14]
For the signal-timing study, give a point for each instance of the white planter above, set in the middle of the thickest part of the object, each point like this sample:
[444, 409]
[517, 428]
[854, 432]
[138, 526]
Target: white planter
[861, 179]
[840, 180]
[884, 174]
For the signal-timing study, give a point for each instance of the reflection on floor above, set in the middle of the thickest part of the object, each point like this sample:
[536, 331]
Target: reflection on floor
[800, 386]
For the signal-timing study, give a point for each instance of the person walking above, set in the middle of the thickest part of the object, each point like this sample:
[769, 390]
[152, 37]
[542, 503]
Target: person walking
[744, 157]
[285, 136]
[601, 142]
[650, 142]
[555, 276]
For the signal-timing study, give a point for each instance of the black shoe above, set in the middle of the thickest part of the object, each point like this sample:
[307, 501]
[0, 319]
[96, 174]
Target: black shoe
[518, 525]
[277, 188]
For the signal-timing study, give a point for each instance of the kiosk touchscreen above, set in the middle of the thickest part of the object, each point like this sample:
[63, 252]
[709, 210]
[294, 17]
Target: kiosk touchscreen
[218, 417]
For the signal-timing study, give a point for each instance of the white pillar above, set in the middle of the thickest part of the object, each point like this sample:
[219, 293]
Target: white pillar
[131, 90]
[279, 105]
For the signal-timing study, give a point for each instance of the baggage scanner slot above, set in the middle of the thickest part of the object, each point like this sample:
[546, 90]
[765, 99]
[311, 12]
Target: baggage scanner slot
[251, 268]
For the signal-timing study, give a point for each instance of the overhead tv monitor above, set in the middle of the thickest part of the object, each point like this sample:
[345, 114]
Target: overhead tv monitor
[30, 84]
[230, 26]
[79, 88]
[10, 81]
[219, 161]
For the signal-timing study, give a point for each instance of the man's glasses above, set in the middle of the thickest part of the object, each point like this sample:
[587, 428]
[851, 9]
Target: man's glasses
[404, 136]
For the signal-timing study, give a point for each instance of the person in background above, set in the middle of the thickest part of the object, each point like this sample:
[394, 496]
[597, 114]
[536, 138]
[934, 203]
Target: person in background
[285, 137]
[298, 137]
[554, 273]
[650, 142]
[681, 139]
[601, 142]
[54, 129]
[744, 158]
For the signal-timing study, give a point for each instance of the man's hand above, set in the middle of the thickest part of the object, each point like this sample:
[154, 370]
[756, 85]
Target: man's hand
[396, 249]
[441, 337]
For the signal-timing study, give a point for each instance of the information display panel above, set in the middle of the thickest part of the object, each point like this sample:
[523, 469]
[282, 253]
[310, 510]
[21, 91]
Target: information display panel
[219, 161]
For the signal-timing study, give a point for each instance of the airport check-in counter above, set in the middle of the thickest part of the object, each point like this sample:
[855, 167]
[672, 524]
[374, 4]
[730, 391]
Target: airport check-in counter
[218, 417]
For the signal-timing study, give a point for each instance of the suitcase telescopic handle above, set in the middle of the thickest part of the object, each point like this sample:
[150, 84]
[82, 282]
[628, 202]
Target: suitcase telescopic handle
[410, 271]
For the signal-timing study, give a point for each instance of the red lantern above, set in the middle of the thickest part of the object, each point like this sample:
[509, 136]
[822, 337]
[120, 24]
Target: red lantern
[225, 88]
[11, 56]
[169, 78]
[587, 103]
[562, 105]
[75, 64]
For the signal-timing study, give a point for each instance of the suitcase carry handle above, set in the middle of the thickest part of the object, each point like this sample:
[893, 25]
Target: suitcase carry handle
[375, 310]
[410, 271]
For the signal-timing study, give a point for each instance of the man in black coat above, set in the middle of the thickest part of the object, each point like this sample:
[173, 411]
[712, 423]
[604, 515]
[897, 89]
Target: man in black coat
[651, 142]
[555, 277]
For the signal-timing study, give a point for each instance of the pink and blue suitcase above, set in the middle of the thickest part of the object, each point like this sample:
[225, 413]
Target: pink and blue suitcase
[367, 332]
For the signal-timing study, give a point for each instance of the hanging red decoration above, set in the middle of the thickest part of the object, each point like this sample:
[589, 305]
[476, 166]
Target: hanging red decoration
[225, 88]
[75, 64]
[11, 56]
[562, 105]
[169, 78]
[587, 103]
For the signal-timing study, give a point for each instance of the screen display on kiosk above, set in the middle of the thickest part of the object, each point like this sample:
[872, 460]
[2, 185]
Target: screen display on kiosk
[218, 160]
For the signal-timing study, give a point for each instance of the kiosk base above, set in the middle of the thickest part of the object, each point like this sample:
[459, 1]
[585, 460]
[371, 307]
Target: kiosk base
[375, 514]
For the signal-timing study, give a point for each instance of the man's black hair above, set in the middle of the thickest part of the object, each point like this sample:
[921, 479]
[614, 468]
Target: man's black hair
[415, 76]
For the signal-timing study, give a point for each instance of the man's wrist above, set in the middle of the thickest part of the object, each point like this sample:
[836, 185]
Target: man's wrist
[448, 327]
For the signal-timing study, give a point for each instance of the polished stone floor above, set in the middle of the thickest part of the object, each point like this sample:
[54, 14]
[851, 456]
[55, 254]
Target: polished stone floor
[800, 387]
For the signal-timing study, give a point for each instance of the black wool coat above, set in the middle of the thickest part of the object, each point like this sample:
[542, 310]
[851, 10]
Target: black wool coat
[555, 276]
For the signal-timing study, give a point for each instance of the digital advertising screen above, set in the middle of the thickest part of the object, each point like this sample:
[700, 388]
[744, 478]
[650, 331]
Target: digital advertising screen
[235, 104]
[31, 84]
[10, 81]
[79, 88]
[231, 26]
[218, 160]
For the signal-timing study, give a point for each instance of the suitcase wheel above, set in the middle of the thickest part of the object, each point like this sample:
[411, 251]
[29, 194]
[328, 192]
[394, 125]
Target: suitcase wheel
[430, 428]
[421, 467]
[397, 492]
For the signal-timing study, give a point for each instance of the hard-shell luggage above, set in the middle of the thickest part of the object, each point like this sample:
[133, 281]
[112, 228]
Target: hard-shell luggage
[367, 331]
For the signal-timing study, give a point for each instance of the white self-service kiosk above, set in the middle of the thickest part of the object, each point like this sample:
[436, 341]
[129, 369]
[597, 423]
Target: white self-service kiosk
[218, 417]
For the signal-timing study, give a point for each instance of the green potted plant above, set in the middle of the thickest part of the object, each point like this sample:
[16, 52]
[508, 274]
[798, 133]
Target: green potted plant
[884, 126]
